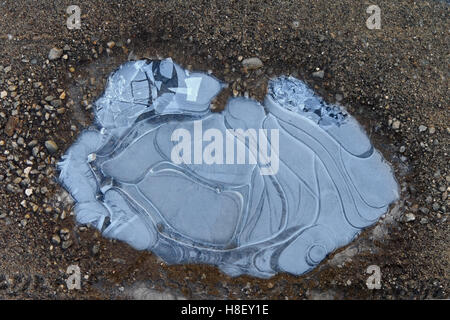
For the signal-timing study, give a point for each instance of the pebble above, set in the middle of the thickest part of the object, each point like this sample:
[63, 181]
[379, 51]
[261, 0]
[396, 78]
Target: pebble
[402, 149]
[422, 128]
[35, 151]
[111, 44]
[66, 244]
[319, 74]
[55, 53]
[29, 192]
[56, 239]
[410, 217]
[396, 125]
[95, 249]
[252, 63]
[11, 126]
[424, 210]
[64, 233]
[51, 146]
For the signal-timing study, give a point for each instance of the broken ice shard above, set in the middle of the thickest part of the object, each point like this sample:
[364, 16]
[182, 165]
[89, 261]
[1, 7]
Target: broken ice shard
[329, 181]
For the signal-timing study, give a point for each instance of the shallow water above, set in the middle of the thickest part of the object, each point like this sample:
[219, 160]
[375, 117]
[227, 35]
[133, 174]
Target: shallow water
[255, 189]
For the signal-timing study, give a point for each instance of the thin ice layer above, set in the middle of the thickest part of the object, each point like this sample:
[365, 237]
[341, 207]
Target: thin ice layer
[215, 207]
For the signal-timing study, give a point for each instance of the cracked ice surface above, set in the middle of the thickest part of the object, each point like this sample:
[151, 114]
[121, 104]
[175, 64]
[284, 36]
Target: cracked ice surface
[330, 182]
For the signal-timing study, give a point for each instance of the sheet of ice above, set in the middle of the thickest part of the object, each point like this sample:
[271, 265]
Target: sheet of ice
[329, 184]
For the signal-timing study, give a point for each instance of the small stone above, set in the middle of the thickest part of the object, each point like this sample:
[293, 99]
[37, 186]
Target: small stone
[95, 249]
[422, 128]
[339, 97]
[424, 221]
[56, 239]
[56, 103]
[410, 217]
[435, 206]
[11, 188]
[424, 210]
[51, 146]
[28, 192]
[64, 233]
[252, 63]
[55, 53]
[111, 44]
[432, 130]
[318, 74]
[66, 244]
[396, 125]
[11, 126]
[35, 151]
[402, 149]
[3, 94]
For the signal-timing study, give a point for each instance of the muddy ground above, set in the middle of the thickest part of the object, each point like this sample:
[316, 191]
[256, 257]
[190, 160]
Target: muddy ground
[393, 80]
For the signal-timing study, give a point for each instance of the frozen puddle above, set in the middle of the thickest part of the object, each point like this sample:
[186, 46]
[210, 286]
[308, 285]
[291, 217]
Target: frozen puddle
[256, 189]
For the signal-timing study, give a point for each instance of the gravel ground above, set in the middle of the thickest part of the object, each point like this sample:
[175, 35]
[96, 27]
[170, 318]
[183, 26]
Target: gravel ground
[393, 80]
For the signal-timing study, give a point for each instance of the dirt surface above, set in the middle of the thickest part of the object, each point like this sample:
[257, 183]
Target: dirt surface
[393, 80]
